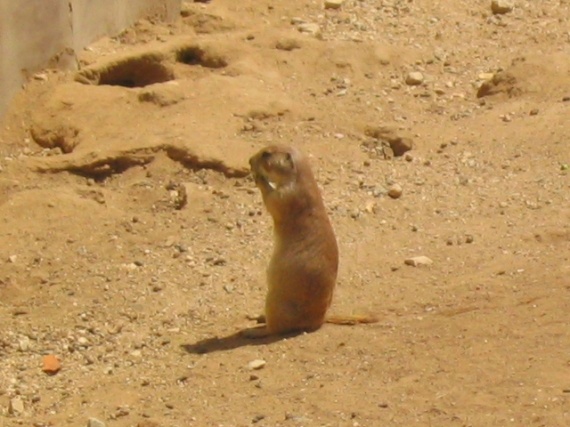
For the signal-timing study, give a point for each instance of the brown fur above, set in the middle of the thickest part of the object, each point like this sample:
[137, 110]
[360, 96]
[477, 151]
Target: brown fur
[303, 269]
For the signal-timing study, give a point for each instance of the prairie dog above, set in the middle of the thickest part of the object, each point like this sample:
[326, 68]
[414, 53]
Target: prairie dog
[302, 273]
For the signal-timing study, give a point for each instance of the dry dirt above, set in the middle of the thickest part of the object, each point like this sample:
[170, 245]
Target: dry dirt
[134, 242]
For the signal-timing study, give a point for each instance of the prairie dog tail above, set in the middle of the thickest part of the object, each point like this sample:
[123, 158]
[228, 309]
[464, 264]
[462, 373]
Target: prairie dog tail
[351, 320]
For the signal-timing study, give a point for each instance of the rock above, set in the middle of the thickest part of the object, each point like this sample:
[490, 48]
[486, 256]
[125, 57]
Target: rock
[310, 29]
[414, 78]
[256, 364]
[439, 54]
[16, 407]
[24, 344]
[47, 134]
[499, 7]
[94, 422]
[51, 364]
[370, 206]
[333, 4]
[288, 44]
[186, 9]
[418, 261]
[395, 191]
[299, 419]
[258, 418]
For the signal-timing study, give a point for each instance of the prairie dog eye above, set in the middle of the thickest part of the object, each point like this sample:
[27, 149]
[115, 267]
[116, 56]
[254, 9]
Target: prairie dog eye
[265, 155]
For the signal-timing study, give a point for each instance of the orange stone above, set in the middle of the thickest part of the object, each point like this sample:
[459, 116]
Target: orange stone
[51, 364]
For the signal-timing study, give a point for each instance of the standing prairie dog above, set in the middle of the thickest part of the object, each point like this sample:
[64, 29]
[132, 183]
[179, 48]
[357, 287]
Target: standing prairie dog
[303, 269]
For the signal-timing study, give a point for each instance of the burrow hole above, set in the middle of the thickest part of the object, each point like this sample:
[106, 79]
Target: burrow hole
[136, 72]
[194, 55]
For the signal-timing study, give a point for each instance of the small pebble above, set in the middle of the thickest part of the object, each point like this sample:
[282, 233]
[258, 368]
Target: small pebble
[395, 191]
[418, 261]
[309, 28]
[333, 4]
[288, 44]
[414, 78]
[51, 364]
[500, 7]
[24, 344]
[486, 76]
[257, 418]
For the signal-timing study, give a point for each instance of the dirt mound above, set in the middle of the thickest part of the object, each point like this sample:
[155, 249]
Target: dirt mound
[544, 76]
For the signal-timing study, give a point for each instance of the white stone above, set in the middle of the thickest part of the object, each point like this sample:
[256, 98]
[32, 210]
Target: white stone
[486, 76]
[309, 28]
[418, 261]
[256, 364]
[414, 78]
[24, 344]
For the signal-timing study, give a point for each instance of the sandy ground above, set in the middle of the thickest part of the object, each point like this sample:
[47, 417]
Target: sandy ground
[133, 242]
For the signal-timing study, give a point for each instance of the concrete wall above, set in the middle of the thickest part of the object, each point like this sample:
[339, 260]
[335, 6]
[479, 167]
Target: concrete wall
[33, 32]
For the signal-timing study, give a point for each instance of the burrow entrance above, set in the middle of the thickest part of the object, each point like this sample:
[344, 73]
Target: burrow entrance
[195, 55]
[149, 68]
[136, 71]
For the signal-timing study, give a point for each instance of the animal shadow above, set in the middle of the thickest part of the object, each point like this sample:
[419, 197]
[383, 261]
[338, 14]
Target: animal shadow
[230, 342]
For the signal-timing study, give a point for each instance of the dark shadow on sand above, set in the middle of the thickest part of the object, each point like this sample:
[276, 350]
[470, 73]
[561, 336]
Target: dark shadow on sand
[210, 345]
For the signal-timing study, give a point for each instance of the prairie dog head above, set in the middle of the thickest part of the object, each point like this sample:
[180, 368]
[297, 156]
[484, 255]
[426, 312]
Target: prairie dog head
[284, 177]
[274, 169]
